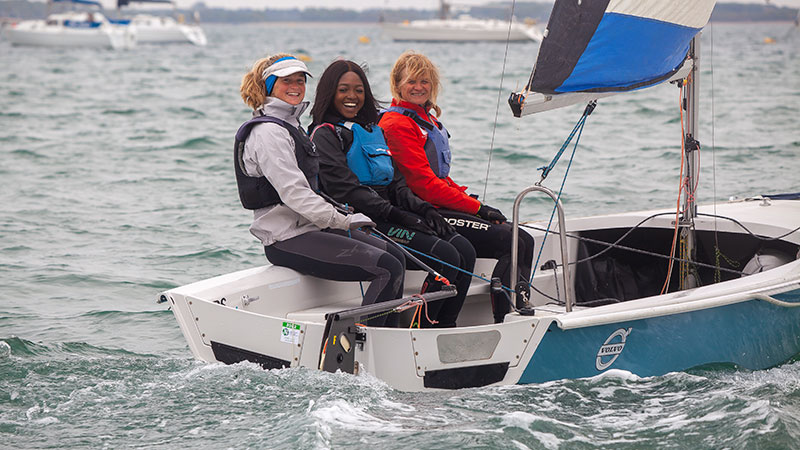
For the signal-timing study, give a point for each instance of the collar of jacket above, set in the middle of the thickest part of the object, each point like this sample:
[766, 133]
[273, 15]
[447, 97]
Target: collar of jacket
[276, 107]
[332, 117]
[414, 107]
[336, 118]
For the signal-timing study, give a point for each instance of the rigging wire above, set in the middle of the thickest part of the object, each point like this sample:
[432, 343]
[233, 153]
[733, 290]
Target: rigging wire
[499, 97]
[757, 236]
[717, 251]
[547, 169]
[578, 128]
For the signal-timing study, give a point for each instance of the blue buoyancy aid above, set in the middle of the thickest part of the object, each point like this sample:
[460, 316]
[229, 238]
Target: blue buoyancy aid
[258, 192]
[437, 144]
[368, 157]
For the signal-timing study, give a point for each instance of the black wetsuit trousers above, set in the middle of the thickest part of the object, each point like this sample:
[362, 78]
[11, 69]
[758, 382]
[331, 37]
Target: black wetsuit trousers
[455, 250]
[494, 241]
[333, 255]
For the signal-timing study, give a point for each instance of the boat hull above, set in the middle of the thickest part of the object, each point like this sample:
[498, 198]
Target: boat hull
[40, 35]
[176, 34]
[752, 334]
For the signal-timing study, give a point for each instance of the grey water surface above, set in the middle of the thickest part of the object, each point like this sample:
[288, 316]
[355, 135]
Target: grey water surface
[116, 183]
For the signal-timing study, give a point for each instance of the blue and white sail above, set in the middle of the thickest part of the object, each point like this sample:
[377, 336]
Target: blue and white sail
[594, 48]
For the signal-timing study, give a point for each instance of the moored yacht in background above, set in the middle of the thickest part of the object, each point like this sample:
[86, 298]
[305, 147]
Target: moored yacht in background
[462, 28]
[72, 29]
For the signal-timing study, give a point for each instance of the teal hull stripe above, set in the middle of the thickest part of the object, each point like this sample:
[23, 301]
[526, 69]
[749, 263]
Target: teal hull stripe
[753, 334]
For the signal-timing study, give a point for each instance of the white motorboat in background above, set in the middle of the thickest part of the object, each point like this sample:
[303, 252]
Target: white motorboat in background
[72, 29]
[163, 29]
[463, 28]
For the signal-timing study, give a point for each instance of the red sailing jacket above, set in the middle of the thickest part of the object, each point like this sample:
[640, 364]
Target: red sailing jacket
[406, 142]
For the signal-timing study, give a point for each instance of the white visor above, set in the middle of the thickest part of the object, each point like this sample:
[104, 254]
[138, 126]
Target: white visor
[285, 68]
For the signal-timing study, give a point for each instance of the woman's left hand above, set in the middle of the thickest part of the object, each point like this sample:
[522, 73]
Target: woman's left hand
[490, 214]
[438, 223]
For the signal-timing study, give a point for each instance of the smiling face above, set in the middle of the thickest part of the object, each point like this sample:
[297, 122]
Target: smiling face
[291, 88]
[416, 90]
[349, 95]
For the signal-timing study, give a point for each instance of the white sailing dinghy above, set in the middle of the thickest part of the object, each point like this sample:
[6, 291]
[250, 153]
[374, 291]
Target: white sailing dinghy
[605, 292]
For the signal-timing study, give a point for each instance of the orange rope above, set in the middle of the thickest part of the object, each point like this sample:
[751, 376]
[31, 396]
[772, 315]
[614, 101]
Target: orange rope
[421, 304]
[414, 317]
[680, 189]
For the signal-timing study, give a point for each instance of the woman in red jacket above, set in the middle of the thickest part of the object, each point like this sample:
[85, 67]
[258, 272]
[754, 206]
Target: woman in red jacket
[420, 147]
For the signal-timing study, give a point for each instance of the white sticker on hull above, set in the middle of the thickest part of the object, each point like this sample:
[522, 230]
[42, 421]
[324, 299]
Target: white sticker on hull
[611, 349]
[290, 333]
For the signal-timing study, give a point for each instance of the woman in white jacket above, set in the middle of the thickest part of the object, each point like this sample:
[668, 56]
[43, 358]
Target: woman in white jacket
[276, 169]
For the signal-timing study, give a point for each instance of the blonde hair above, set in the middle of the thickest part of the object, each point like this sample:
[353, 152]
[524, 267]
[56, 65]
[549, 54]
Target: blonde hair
[412, 65]
[253, 91]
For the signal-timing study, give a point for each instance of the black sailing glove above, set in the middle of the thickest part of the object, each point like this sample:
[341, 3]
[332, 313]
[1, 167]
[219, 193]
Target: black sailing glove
[490, 214]
[438, 223]
[408, 220]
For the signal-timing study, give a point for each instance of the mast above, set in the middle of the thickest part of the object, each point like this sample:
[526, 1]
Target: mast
[444, 10]
[691, 145]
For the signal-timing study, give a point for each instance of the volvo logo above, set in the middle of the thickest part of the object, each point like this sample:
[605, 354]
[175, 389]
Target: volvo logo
[611, 348]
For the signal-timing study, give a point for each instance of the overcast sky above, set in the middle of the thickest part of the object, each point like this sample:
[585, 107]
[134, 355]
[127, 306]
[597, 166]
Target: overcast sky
[364, 4]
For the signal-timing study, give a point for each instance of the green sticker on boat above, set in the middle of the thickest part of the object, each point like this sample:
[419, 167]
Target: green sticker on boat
[290, 333]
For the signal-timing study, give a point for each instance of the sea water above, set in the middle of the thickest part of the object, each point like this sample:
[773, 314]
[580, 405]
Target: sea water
[117, 184]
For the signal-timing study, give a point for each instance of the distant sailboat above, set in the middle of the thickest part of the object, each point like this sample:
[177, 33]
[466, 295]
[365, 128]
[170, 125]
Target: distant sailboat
[72, 29]
[461, 29]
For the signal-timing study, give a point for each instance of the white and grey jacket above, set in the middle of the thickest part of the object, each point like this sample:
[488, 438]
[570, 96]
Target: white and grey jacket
[269, 152]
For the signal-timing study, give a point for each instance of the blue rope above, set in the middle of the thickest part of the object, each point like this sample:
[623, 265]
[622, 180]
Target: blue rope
[579, 125]
[579, 129]
[448, 264]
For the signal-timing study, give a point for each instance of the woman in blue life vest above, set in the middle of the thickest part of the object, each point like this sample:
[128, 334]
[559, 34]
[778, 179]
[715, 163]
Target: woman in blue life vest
[421, 150]
[356, 168]
[276, 169]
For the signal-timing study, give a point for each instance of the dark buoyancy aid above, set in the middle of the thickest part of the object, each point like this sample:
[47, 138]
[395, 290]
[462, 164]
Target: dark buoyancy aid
[258, 192]
[368, 157]
[437, 145]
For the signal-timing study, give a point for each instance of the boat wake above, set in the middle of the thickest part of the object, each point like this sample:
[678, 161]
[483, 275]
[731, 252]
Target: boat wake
[54, 385]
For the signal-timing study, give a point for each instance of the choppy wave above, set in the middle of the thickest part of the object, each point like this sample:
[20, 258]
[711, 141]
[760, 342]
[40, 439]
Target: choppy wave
[195, 143]
[183, 403]
[122, 112]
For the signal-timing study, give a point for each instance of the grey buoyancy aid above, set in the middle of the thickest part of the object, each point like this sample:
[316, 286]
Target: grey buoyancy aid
[437, 145]
[368, 156]
[258, 192]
